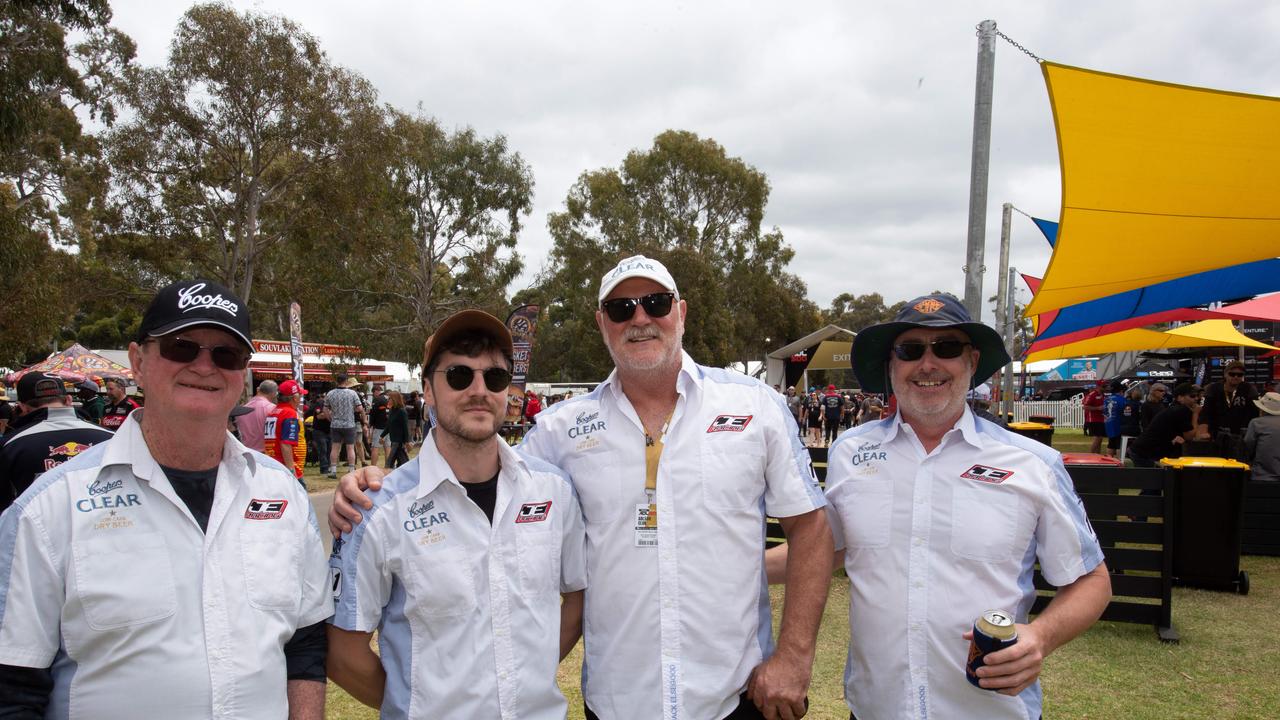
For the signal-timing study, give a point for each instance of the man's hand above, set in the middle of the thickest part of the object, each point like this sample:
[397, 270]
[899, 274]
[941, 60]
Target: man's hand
[1013, 669]
[349, 498]
[778, 686]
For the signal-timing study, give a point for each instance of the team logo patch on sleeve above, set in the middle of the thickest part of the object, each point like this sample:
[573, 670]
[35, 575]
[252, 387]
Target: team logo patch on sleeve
[729, 423]
[534, 512]
[265, 509]
[983, 473]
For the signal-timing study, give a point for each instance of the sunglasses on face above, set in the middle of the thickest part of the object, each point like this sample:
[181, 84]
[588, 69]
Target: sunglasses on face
[944, 349]
[656, 305]
[460, 377]
[182, 350]
[1235, 374]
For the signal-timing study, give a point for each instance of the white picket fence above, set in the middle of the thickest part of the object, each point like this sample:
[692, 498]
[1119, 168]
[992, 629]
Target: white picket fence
[1067, 413]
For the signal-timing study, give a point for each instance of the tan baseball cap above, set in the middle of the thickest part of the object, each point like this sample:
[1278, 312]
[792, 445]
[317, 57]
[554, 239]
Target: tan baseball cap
[466, 320]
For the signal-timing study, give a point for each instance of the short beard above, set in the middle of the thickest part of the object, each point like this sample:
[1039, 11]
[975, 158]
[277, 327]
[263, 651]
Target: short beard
[462, 435]
[665, 361]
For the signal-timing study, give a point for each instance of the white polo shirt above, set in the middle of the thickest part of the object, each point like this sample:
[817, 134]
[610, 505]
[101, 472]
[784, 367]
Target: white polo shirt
[106, 577]
[934, 540]
[468, 613]
[673, 631]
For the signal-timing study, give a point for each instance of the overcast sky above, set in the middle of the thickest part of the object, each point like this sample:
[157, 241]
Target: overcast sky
[861, 114]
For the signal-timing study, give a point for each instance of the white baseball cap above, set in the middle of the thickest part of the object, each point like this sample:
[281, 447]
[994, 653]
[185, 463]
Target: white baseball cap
[981, 393]
[637, 266]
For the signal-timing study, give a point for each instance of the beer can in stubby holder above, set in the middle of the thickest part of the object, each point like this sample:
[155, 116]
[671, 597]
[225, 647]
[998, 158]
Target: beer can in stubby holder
[993, 631]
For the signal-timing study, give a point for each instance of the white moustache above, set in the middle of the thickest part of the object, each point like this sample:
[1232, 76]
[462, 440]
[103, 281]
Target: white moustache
[641, 334]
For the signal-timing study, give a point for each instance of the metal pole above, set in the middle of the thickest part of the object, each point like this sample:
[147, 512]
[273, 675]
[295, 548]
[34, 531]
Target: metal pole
[1003, 288]
[979, 167]
[1008, 328]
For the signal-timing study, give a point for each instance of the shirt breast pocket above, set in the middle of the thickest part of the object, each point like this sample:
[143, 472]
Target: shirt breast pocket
[984, 522]
[440, 584]
[866, 511]
[599, 485]
[732, 472]
[269, 556]
[124, 581]
[539, 555]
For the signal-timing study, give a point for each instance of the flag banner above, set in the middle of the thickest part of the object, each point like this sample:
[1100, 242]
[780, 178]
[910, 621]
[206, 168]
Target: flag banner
[295, 340]
[523, 324]
[1159, 181]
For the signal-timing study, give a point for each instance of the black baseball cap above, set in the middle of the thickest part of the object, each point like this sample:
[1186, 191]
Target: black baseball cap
[870, 355]
[37, 385]
[195, 303]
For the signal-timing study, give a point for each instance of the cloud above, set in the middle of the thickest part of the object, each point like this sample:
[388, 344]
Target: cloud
[860, 114]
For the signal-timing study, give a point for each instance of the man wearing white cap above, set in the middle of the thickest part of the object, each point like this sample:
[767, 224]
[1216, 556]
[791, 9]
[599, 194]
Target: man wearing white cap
[677, 466]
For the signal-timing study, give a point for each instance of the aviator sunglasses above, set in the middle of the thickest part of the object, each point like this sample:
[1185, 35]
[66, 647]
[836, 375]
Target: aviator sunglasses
[656, 305]
[459, 377]
[182, 350]
[945, 349]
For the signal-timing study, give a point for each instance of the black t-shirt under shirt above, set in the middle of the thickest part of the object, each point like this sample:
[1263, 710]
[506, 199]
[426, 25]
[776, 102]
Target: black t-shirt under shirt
[484, 494]
[195, 487]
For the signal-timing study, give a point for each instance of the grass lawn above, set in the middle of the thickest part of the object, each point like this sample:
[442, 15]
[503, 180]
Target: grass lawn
[1227, 665]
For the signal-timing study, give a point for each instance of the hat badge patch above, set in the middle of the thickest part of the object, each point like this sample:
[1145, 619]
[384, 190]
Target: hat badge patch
[189, 299]
[927, 306]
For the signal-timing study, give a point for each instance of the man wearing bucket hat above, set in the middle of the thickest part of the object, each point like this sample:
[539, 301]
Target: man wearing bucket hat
[168, 571]
[1262, 439]
[677, 465]
[939, 517]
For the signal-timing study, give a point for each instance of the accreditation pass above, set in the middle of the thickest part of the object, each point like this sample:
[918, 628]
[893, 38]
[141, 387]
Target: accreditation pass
[646, 531]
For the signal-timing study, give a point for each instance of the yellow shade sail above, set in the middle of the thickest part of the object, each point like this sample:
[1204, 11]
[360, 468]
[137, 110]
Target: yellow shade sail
[1206, 333]
[1154, 170]
[831, 355]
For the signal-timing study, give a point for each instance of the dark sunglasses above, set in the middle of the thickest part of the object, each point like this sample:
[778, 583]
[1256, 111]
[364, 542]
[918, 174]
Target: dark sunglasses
[943, 349]
[460, 377]
[182, 350]
[656, 305]
[1235, 374]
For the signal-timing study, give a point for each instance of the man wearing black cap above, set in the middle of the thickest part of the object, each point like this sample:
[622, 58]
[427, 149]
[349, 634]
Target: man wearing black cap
[939, 517]
[169, 571]
[46, 435]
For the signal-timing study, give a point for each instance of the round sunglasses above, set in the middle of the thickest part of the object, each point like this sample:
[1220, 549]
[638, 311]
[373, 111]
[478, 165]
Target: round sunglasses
[460, 377]
[655, 305]
[182, 350]
[943, 349]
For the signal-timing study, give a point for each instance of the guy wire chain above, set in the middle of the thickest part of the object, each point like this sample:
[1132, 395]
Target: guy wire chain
[1015, 43]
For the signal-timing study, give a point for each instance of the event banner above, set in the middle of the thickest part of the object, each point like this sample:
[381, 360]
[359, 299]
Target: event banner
[295, 340]
[523, 323]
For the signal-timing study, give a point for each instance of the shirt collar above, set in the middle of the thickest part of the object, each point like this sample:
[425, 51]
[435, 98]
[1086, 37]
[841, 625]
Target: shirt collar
[689, 378]
[129, 447]
[966, 425]
[433, 470]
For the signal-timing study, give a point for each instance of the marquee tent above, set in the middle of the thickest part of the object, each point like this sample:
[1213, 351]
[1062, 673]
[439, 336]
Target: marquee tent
[1151, 167]
[823, 349]
[1206, 333]
[75, 364]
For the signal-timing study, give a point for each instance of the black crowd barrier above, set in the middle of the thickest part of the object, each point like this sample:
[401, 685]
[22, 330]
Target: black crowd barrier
[1261, 534]
[1139, 553]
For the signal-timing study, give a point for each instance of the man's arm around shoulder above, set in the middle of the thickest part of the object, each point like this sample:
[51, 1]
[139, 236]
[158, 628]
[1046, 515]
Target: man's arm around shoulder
[355, 667]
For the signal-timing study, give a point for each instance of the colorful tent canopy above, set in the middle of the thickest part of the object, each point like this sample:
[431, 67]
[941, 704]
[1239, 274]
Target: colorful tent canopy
[1151, 168]
[1206, 333]
[1162, 302]
[76, 363]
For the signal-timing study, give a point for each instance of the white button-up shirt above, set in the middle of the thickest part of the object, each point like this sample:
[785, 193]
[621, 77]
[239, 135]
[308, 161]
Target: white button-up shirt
[468, 613]
[106, 577]
[673, 631]
[934, 540]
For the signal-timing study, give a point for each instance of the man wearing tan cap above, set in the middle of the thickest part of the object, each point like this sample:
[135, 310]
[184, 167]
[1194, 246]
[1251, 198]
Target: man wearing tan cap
[462, 560]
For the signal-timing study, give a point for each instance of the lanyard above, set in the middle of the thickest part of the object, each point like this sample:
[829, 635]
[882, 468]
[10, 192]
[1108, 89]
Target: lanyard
[652, 455]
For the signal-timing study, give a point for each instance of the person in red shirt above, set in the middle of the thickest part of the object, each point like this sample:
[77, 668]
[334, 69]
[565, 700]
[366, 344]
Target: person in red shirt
[282, 431]
[1095, 425]
[119, 407]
